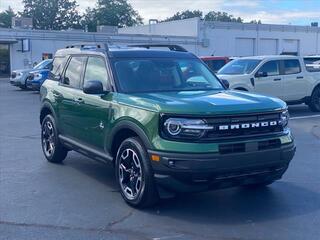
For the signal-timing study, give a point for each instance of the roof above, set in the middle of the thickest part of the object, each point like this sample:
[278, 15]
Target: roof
[145, 53]
[214, 58]
[269, 56]
[127, 52]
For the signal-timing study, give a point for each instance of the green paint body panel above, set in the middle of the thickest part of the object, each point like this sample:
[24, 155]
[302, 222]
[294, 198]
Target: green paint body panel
[93, 121]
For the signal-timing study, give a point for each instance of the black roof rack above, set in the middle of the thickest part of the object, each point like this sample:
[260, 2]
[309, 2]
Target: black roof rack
[90, 46]
[171, 47]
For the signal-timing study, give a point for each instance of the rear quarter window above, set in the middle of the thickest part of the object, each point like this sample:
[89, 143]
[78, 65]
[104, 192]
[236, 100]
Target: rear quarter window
[292, 66]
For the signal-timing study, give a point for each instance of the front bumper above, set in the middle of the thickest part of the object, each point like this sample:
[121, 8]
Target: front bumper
[177, 172]
[17, 82]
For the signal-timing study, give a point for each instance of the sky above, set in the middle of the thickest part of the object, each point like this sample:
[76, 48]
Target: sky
[295, 12]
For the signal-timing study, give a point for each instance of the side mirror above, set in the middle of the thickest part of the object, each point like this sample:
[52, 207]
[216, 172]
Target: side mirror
[225, 83]
[261, 74]
[93, 87]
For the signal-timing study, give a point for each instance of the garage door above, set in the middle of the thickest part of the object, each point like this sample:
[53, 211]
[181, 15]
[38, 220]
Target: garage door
[290, 46]
[268, 47]
[244, 47]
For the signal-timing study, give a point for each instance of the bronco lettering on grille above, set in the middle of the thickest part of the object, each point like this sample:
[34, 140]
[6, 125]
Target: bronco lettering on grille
[248, 125]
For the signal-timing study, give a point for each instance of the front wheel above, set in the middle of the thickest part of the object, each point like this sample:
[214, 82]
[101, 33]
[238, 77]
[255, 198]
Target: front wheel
[314, 103]
[134, 174]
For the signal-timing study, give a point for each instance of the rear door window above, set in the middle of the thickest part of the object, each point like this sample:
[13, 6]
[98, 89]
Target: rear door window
[271, 68]
[73, 73]
[292, 66]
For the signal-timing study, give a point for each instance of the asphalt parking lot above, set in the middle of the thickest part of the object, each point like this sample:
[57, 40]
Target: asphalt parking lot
[80, 199]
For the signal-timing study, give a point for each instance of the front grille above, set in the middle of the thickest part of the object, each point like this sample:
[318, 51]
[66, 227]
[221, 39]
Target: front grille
[13, 75]
[243, 126]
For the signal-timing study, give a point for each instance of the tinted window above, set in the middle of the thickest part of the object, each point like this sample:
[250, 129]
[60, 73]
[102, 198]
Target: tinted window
[96, 70]
[311, 59]
[163, 75]
[239, 66]
[291, 66]
[271, 68]
[215, 65]
[72, 76]
[56, 68]
[44, 64]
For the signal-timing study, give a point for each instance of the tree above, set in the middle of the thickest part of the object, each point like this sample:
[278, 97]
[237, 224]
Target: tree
[184, 15]
[6, 18]
[256, 22]
[112, 13]
[52, 14]
[221, 17]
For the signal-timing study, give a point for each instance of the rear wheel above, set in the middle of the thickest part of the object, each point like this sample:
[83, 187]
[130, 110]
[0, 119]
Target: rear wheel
[134, 174]
[53, 150]
[314, 103]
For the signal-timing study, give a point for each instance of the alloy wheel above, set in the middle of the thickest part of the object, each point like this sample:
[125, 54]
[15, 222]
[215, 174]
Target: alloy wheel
[48, 138]
[130, 174]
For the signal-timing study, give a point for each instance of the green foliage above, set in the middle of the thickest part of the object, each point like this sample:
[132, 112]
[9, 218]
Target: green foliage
[256, 22]
[6, 18]
[184, 15]
[52, 14]
[222, 17]
[112, 13]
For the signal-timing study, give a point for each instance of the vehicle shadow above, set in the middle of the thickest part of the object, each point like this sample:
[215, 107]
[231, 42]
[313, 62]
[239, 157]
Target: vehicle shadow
[101, 172]
[243, 205]
[281, 200]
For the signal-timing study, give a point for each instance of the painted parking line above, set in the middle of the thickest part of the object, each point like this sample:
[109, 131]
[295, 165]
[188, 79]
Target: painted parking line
[305, 117]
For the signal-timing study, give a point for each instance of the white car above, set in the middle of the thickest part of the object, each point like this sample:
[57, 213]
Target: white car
[285, 77]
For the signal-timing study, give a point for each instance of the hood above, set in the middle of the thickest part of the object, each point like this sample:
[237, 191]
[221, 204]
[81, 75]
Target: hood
[231, 77]
[22, 70]
[39, 70]
[203, 102]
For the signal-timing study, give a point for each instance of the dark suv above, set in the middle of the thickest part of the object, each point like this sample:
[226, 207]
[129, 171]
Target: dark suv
[165, 121]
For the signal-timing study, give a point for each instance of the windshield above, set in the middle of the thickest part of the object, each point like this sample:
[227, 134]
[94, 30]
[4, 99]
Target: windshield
[43, 64]
[163, 75]
[239, 67]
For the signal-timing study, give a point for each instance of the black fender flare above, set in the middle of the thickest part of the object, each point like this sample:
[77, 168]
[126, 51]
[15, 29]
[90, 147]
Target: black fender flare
[126, 124]
[47, 105]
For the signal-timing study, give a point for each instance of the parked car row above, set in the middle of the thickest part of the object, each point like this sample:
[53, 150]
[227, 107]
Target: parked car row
[31, 78]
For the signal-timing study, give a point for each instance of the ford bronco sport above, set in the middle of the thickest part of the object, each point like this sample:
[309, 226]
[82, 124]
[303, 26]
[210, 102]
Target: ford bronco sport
[166, 122]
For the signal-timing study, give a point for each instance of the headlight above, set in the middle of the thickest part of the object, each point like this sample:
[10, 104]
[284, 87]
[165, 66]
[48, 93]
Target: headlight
[19, 74]
[185, 128]
[284, 118]
[37, 76]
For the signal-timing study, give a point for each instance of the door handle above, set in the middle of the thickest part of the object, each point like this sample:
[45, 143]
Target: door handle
[277, 79]
[78, 100]
[300, 77]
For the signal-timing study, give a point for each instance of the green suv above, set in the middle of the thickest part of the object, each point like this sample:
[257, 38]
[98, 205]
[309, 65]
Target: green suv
[164, 120]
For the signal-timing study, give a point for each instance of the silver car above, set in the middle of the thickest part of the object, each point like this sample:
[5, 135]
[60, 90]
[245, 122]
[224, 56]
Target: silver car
[19, 78]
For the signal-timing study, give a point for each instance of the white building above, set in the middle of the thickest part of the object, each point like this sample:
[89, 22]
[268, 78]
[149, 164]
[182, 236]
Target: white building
[238, 39]
[21, 48]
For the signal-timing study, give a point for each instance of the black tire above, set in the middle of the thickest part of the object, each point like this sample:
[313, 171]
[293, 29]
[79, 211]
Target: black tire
[135, 175]
[52, 149]
[314, 103]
